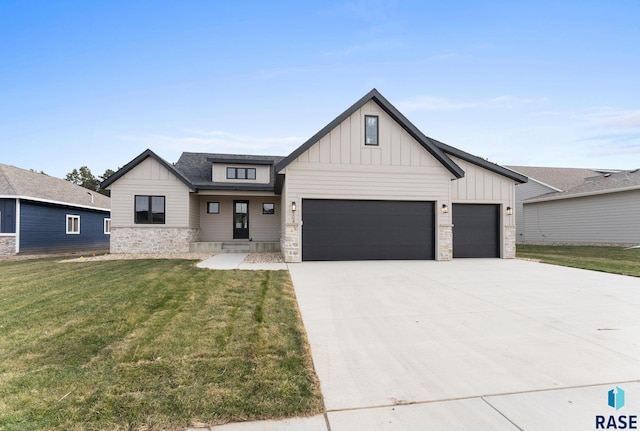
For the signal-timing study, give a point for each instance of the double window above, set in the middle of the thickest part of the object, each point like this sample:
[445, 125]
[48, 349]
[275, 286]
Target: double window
[241, 173]
[73, 224]
[149, 209]
[371, 130]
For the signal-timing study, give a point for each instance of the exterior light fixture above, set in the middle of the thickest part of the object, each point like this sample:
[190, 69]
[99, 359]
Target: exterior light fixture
[444, 209]
[293, 206]
[509, 211]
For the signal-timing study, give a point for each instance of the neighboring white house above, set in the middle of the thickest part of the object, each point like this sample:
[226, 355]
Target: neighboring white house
[581, 207]
[369, 185]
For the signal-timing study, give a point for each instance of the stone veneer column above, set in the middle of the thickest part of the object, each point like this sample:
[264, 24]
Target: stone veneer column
[7, 245]
[509, 242]
[445, 242]
[290, 245]
[151, 240]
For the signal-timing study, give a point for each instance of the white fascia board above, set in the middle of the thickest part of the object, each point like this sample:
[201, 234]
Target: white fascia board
[580, 195]
[49, 201]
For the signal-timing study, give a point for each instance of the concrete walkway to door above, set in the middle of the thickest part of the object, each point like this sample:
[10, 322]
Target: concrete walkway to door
[483, 344]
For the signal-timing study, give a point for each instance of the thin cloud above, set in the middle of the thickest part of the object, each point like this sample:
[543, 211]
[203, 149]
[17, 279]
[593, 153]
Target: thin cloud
[436, 103]
[627, 120]
[216, 141]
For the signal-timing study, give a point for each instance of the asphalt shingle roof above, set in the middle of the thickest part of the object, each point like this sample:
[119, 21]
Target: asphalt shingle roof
[196, 167]
[560, 178]
[28, 184]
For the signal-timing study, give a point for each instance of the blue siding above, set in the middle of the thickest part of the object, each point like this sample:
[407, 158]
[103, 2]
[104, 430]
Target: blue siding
[7, 216]
[43, 229]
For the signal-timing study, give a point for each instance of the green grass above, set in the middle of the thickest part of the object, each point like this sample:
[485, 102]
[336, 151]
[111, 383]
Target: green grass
[616, 260]
[148, 344]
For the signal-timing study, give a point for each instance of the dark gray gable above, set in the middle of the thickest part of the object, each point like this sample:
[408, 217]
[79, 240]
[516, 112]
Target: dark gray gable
[481, 162]
[374, 95]
[135, 162]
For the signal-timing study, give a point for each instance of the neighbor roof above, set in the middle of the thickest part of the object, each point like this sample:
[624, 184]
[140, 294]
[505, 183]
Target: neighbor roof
[560, 178]
[25, 184]
[600, 184]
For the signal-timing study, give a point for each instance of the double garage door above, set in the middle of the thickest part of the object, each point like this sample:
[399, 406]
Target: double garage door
[382, 230]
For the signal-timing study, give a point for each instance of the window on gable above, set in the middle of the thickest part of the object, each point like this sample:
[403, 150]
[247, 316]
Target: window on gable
[107, 226]
[371, 130]
[213, 207]
[73, 224]
[149, 209]
[268, 208]
[241, 173]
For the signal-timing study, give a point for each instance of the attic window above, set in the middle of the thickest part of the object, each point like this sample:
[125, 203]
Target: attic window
[241, 173]
[371, 130]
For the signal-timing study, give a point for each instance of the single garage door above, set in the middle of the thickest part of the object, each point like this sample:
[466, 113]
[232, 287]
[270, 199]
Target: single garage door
[476, 230]
[367, 230]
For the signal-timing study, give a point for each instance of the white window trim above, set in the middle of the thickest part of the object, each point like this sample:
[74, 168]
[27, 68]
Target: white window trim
[72, 216]
[107, 231]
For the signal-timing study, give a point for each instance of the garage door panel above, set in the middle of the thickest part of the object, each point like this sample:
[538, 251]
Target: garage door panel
[476, 230]
[367, 230]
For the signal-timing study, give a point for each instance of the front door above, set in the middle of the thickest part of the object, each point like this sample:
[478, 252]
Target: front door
[240, 219]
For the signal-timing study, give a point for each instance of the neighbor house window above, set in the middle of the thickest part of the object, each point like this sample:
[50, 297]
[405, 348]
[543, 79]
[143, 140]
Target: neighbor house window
[241, 173]
[213, 207]
[149, 209]
[268, 208]
[371, 130]
[73, 224]
[107, 226]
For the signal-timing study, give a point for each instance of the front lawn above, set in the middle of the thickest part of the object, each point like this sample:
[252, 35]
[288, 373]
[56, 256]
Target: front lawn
[148, 344]
[616, 260]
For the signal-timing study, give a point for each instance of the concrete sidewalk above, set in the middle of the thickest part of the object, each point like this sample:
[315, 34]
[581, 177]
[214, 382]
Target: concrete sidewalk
[236, 261]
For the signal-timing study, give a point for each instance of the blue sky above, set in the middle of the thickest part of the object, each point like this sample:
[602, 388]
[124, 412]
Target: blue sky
[95, 83]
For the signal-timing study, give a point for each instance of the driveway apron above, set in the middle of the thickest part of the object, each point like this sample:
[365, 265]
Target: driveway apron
[469, 344]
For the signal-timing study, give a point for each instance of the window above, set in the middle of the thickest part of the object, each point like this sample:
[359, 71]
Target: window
[149, 209]
[73, 224]
[241, 173]
[371, 130]
[268, 208]
[107, 226]
[213, 207]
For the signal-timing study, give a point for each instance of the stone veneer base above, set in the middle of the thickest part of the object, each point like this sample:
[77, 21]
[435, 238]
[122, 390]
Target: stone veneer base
[7, 245]
[152, 239]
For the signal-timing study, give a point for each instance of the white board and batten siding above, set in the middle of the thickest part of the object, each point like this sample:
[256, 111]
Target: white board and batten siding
[340, 166]
[611, 218]
[219, 227]
[150, 178]
[481, 186]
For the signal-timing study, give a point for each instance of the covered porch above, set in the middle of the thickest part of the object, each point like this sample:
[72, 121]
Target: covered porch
[237, 222]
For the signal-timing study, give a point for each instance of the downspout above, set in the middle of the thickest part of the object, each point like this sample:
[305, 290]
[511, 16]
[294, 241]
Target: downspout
[17, 226]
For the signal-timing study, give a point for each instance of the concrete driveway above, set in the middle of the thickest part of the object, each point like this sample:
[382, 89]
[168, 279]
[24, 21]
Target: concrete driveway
[470, 344]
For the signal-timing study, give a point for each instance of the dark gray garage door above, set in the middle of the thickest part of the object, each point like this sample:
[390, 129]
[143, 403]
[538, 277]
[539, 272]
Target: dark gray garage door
[476, 230]
[367, 230]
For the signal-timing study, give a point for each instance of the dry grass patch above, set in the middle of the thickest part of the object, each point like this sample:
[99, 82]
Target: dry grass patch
[616, 260]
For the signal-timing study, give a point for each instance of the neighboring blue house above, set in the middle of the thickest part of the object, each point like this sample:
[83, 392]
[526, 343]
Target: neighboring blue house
[43, 214]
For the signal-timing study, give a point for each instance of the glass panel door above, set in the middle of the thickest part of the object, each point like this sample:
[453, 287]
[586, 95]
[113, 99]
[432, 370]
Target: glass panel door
[240, 219]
